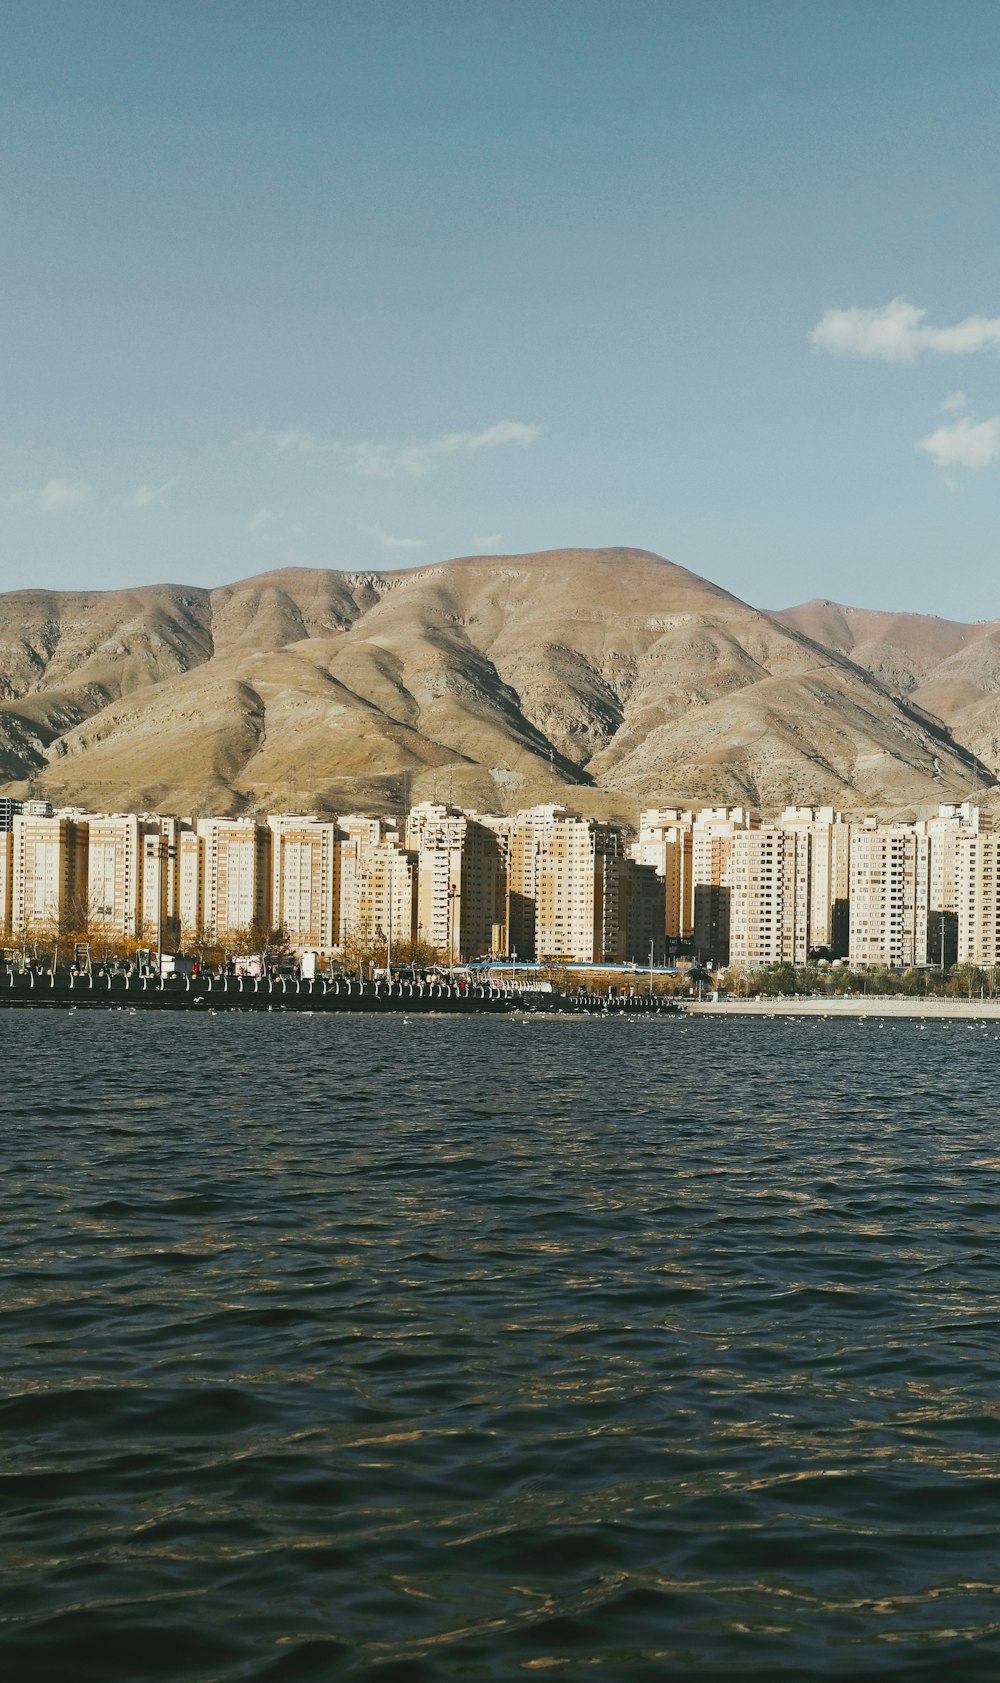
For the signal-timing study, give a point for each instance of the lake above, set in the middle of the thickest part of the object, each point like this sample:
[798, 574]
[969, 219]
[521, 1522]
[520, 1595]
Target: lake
[479, 1348]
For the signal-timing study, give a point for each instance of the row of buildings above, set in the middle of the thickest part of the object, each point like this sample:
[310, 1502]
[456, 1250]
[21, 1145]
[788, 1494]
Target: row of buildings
[542, 883]
[545, 881]
[816, 883]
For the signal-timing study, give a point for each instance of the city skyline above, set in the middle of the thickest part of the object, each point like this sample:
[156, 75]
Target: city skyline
[372, 286]
[718, 884]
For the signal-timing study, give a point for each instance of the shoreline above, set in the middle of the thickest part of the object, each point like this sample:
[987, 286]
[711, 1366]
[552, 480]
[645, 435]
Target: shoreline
[961, 1010]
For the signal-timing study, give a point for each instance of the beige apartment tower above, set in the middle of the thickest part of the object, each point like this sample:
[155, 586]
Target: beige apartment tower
[889, 895]
[160, 897]
[236, 865]
[190, 885]
[528, 835]
[114, 876]
[575, 879]
[769, 874]
[711, 847]
[977, 894]
[6, 879]
[665, 842]
[356, 836]
[460, 883]
[304, 880]
[388, 892]
[49, 889]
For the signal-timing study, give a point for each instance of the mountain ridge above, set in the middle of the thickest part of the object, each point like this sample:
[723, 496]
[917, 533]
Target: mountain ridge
[609, 677]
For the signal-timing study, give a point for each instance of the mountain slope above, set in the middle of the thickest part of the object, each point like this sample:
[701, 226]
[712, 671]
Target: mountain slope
[610, 677]
[949, 670]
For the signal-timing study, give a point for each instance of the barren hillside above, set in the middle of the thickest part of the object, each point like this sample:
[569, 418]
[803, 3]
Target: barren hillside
[611, 677]
[949, 670]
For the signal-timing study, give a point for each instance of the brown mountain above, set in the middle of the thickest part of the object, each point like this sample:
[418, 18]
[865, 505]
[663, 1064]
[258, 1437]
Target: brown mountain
[949, 670]
[609, 676]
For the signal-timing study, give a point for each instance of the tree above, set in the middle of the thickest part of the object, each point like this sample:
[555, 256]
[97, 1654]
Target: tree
[244, 941]
[419, 954]
[358, 954]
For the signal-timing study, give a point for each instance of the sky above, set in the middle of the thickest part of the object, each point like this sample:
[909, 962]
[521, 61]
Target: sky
[367, 284]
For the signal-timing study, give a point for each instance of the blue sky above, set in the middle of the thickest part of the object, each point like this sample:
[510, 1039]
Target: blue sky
[368, 285]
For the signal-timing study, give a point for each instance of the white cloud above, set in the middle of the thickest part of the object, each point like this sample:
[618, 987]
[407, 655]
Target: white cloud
[387, 540]
[490, 541]
[386, 461]
[267, 526]
[896, 333]
[964, 443]
[954, 403]
[61, 494]
[57, 496]
[144, 496]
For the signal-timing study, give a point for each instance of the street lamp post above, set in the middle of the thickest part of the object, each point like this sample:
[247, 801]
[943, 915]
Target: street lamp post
[160, 850]
[453, 892]
[650, 969]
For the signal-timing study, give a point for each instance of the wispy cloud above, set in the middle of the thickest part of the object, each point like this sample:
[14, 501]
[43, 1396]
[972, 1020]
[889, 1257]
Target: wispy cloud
[964, 443]
[954, 403]
[387, 461]
[57, 496]
[269, 526]
[898, 333]
[144, 496]
[490, 541]
[387, 539]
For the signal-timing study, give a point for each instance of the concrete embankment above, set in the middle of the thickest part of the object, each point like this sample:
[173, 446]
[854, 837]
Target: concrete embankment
[891, 1005]
[242, 993]
[62, 991]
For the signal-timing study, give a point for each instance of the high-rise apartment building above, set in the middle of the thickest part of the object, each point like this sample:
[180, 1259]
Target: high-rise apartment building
[946, 832]
[769, 885]
[644, 916]
[160, 899]
[578, 891]
[190, 885]
[829, 849]
[304, 880]
[6, 879]
[356, 836]
[115, 864]
[526, 836]
[460, 881]
[977, 893]
[889, 894]
[665, 842]
[388, 891]
[49, 886]
[236, 865]
[711, 846]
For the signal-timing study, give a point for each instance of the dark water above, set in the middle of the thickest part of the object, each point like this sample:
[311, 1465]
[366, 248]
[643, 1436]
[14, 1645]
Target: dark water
[481, 1349]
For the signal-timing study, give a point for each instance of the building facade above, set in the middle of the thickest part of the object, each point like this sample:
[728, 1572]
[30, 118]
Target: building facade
[49, 874]
[889, 895]
[304, 880]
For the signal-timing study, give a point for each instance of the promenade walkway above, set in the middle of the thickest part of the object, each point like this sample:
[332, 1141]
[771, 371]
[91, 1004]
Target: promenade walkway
[863, 1005]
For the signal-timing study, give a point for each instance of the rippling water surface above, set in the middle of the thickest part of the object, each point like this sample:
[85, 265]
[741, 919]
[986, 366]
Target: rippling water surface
[358, 1348]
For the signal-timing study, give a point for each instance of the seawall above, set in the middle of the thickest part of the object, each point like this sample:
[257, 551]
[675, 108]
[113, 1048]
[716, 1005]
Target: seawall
[62, 991]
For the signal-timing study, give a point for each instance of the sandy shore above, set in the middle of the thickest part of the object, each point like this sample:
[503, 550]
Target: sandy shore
[863, 1006]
